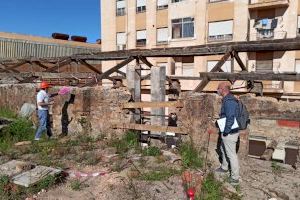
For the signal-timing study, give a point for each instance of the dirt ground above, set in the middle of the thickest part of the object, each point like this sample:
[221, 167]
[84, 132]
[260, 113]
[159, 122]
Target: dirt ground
[259, 180]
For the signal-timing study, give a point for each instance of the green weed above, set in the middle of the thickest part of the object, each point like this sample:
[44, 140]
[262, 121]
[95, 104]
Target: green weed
[276, 169]
[19, 130]
[190, 156]
[75, 185]
[159, 174]
[151, 151]
[7, 113]
[211, 189]
[128, 141]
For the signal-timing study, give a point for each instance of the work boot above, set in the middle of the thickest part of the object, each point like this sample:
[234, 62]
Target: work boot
[233, 181]
[221, 170]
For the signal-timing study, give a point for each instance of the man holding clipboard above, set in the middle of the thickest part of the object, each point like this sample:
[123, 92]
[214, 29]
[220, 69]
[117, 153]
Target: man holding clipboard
[229, 130]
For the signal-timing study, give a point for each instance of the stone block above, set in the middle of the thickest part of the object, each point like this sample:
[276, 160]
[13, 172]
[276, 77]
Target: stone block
[13, 167]
[34, 175]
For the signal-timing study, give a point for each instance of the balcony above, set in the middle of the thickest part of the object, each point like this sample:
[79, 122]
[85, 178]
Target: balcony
[266, 4]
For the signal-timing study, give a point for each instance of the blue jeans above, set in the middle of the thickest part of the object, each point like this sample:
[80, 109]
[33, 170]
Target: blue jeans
[44, 124]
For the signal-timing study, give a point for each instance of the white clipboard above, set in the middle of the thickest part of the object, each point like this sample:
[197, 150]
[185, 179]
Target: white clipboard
[222, 122]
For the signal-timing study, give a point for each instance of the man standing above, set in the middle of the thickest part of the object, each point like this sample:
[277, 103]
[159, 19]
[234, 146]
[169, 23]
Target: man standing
[229, 136]
[43, 102]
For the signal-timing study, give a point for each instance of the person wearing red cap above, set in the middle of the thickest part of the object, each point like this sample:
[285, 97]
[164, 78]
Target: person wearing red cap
[43, 102]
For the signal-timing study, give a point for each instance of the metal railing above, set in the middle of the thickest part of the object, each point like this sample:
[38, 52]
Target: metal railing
[220, 38]
[268, 34]
[214, 1]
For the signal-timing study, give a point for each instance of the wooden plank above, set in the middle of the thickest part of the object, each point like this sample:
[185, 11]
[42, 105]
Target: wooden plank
[216, 68]
[250, 76]
[109, 72]
[89, 66]
[154, 128]
[199, 50]
[144, 60]
[176, 104]
[59, 65]
[239, 61]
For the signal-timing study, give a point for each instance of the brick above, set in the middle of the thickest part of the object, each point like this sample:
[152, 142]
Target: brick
[287, 123]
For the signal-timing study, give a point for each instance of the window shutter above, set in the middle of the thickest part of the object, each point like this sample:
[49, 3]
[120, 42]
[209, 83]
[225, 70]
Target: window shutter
[162, 2]
[140, 3]
[140, 35]
[220, 28]
[121, 4]
[162, 34]
[121, 38]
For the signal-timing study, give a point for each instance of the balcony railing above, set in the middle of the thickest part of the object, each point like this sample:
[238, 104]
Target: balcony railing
[268, 34]
[260, 4]
[217, 38]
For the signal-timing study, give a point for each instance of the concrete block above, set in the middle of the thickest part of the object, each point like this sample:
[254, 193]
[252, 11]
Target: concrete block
[13, 167]
[33, 176]
[279, 154]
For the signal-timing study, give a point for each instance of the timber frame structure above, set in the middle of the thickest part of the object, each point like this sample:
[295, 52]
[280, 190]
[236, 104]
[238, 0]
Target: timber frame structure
[51, 66]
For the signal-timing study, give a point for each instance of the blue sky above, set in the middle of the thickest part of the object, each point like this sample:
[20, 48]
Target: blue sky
[44, 17]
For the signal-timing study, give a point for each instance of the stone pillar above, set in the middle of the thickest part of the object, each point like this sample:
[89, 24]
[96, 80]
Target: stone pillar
[134, 86]
[158, 93]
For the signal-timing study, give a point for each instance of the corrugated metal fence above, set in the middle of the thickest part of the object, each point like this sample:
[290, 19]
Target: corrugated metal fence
[15, 49]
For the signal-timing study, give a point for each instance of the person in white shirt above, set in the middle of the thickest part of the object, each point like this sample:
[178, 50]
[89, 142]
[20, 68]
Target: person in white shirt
[43, 102]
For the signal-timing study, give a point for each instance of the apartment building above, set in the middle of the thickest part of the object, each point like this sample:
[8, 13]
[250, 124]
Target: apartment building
[139, 24]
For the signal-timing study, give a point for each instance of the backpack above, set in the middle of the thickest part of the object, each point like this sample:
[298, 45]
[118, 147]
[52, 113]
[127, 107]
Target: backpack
[242, 116]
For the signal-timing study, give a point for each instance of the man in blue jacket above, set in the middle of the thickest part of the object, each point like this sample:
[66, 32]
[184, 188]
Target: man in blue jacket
[229, 136]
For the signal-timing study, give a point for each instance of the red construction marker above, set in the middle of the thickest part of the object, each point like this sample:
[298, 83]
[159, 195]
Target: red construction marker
[191, 193]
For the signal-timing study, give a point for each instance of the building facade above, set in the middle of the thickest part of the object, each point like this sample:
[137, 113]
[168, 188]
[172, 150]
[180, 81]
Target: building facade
[138, 24]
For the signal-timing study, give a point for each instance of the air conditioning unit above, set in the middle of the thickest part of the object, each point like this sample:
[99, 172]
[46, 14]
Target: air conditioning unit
[121, 47]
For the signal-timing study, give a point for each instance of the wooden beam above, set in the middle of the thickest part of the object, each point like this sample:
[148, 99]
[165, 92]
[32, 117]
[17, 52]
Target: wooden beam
[250, 76]
[200, 50]
[59, 65]
[239, 61]
[154, 128]
[176, 104]
[122, 73]
[40, 64]
[144, 60]
[110, 71]
[16, 65]
[216, 68]
[89, 66]
[4, 69]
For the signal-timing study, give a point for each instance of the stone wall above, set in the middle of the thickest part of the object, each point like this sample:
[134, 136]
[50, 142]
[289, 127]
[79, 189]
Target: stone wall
[95, 110]
[91, 111]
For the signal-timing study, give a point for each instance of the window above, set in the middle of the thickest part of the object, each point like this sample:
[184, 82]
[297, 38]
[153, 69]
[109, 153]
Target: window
[226, 67]
[162, 35]
[140, 6]
[121, 41]
[183, 28]
[162, 4]
[264, 66]
[220, 31]
[121, 8]
[175, 1]
[187, 69]
[141, 38]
